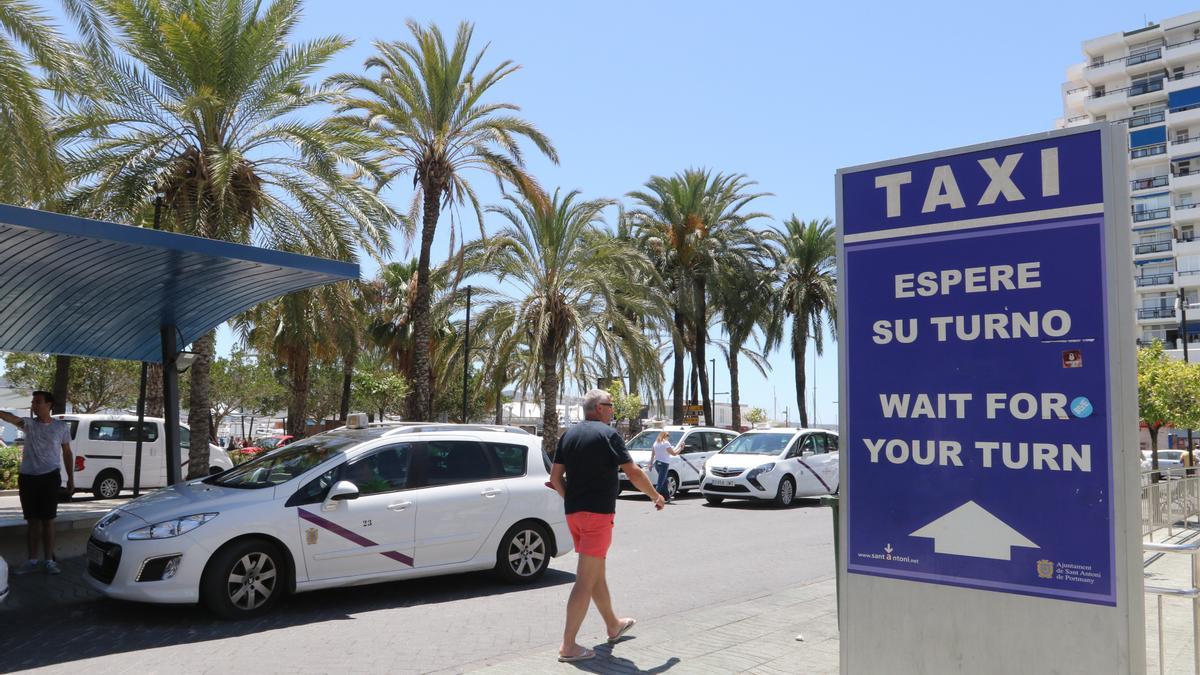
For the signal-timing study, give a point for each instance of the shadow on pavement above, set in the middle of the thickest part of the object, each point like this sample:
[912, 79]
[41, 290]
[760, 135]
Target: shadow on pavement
[798, 503]
[87, 625]
[606, 662]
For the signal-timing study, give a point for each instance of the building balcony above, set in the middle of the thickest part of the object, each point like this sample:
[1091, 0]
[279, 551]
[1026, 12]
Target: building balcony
[1183, 147]
[1150, 281]
[1181, 53]
[1139, 184]
[1144, 92]
[1187, 212]
[1185, 81]
[1146, 118]
[1185, 181]
[1187, 244]
[1110, 103]
[1155, 313]
[1099, 73]
[1189, 278]
[1147, 154]
[1184, 116]
[1144, 61]
[1153, 247]
[1150, 215]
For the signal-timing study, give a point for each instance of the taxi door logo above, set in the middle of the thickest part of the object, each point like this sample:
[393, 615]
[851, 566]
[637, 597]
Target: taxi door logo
[1045, 569]
[310, 535]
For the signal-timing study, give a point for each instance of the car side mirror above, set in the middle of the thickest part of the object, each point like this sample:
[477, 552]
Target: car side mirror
[343, 490]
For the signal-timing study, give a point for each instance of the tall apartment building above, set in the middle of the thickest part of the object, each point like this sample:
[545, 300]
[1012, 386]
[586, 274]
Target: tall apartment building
[1149, 80]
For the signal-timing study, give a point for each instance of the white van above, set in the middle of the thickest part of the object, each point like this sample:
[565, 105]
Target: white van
[105, 449]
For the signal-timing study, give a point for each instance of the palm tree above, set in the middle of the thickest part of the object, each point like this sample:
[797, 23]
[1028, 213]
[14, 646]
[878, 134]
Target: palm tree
[568, 275]
[427, 106]
[808, 290]
[694, 221]
[31, 172]
[202, 101]
[296, 331]
[746, 297]
[391, 326]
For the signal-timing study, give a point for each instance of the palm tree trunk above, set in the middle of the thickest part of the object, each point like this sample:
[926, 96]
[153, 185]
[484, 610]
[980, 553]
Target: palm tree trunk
[421, 401]
[678, 375]
[297, 365]
[692, 400]
[549, 397]
[154, 390]
[734, 395]
[200, 397]
[799, 347]
[61, 386]
[701, 341]
[348, 362]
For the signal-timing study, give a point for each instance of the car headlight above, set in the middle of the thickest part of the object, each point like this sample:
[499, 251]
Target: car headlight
[758, 471]
[171, 528]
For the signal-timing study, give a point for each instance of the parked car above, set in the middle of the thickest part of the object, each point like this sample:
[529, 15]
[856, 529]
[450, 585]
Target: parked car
[267, 444]
[698, 444]
[351, 506]
[773, 464]
[1167, 459]
[105, 449]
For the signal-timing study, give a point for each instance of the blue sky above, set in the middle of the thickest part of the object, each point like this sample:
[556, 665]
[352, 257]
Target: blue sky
[786, 92]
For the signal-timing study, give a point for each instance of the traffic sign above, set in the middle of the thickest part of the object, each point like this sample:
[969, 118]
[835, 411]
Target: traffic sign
[984, 315]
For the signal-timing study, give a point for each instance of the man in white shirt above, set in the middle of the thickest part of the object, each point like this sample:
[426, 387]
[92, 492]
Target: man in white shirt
[47, 441]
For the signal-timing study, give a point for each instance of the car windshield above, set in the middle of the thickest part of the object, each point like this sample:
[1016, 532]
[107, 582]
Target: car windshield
[284, 465]
[1173, 455]
[757, 444]
[270, 442]
[645, 440]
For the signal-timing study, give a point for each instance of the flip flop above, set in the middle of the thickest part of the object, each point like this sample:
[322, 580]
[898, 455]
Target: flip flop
[624, 629]
[587, 654]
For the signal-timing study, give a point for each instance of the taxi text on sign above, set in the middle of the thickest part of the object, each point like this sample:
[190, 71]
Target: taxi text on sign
[976, 370]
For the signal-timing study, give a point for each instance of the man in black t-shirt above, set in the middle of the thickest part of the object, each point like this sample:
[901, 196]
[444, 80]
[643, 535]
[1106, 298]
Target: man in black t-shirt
[585, 474]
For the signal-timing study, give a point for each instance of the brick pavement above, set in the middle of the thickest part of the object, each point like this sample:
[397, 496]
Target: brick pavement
[792, 630]
[661, 574]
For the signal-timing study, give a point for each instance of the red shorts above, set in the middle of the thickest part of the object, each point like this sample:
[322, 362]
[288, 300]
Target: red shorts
[592, 532]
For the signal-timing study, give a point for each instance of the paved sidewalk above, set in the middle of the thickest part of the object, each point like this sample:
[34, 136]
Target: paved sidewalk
[793, 630]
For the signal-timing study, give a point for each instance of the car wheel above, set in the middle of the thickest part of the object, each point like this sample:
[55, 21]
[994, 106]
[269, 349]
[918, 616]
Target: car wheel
[524, 553]
[786, 492]
[244, 579]
[715, 501]
[672, 485]
[107, 484]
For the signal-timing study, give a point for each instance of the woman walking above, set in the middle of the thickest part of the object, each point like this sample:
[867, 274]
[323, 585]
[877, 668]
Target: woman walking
[663, 450]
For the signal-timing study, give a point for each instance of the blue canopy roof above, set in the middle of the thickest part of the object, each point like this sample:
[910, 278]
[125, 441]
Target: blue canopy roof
[84, 287]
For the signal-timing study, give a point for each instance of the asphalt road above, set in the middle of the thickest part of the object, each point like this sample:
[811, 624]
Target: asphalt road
[662, 565]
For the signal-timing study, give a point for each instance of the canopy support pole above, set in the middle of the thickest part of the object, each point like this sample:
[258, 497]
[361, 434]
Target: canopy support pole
[170, 352]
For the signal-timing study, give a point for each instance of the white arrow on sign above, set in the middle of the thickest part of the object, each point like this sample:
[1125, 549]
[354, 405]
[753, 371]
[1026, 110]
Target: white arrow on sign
[971, 530]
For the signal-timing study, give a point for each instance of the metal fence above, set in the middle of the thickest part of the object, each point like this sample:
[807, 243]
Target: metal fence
[1170, 500]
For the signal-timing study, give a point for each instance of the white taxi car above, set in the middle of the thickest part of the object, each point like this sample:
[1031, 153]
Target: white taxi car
[774, 464]
[696, 445]
[352, 506]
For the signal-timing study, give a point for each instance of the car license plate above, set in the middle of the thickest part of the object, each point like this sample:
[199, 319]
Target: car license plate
[94, 554]
[724, 483]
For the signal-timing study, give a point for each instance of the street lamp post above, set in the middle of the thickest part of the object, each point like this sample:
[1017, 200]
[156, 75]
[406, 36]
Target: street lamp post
[466, 356]
[1183, 334]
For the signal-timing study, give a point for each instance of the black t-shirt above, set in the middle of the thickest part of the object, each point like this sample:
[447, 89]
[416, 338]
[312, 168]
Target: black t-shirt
[590, 453]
